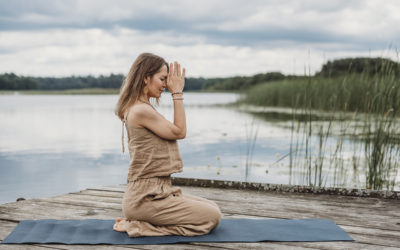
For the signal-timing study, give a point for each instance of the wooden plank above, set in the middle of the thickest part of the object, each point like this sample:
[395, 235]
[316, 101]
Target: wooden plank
[387, 208]
[45, 207]
[36, 209]
[79, 201]
[83, 215]
[6, 228]
[370, 234]
[282, 188]
[115, 188]
[339, 201]
[254, 196]
[103, 204]
[303, 245]
[255, 245]
[305, 210]
[384, 216]
[276, 188]
[83, 202]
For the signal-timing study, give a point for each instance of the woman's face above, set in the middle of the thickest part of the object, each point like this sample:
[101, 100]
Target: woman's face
[157, 83]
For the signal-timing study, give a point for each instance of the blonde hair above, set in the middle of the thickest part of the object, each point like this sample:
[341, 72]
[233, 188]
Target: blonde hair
[146, 64]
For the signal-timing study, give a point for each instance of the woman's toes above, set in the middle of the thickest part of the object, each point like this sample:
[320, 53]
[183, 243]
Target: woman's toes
[119, 225]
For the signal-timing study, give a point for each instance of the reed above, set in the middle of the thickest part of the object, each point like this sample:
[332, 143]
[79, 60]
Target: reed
[355, 92]
[357, 142]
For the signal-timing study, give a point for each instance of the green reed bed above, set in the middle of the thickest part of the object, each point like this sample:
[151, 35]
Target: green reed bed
[354, 92]
[362, 117]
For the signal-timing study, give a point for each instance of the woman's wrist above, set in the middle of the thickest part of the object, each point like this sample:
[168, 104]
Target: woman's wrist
[177, 96]
[176, 93]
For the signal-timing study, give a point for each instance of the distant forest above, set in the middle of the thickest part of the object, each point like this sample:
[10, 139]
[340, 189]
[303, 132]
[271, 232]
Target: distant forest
[11, 81]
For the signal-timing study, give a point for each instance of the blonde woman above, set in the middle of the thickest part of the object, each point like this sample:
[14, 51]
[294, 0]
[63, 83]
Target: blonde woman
[151, 205]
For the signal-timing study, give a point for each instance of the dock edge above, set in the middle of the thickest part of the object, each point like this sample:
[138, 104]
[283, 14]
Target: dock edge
[284, 188]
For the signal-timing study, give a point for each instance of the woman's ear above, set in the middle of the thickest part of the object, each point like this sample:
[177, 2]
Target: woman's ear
[146, 79]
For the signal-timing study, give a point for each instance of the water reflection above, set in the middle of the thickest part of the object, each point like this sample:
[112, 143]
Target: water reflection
[56, 144]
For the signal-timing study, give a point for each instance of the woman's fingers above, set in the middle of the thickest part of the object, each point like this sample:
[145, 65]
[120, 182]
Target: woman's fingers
[179, 69]
[171, 69]
[176, 68]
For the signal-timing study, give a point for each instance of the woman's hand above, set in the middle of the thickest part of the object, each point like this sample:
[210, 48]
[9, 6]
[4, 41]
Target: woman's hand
[176, 79]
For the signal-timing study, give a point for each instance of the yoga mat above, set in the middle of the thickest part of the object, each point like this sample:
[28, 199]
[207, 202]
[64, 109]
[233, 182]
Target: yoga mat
[93, 231]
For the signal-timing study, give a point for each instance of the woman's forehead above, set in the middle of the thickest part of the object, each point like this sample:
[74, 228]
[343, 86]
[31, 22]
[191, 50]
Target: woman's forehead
[163, 70]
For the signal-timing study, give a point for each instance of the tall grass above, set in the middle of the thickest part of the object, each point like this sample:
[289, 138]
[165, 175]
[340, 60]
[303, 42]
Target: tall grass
[318, 148]
[355, 92]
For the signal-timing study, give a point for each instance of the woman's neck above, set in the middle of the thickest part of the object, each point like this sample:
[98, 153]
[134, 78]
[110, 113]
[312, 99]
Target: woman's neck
[144, 99]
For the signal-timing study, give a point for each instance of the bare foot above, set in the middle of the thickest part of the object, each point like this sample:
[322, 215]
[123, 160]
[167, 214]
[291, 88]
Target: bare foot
[120, 225]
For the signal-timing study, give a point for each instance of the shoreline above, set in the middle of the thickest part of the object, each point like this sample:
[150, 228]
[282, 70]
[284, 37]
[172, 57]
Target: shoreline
[90, 91]
[285, 188]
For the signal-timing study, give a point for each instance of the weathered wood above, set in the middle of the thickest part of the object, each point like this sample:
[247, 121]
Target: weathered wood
[303, 245]
[334, 200]
[272, 207]
[377, 213]
[34, 210]
[284, 188]
[41, 211]
[372, 204]
[372, 222]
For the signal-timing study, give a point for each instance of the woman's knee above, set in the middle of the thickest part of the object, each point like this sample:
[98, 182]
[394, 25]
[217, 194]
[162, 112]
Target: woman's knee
[214, 216]
[213, 220]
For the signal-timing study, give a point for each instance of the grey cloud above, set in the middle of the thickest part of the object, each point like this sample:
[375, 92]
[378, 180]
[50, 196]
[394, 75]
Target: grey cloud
[32, 15]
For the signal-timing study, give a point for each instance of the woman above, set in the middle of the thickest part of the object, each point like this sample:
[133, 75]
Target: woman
[151, 205]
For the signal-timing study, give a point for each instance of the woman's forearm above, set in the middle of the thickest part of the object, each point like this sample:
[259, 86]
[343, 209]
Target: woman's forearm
[179, 115]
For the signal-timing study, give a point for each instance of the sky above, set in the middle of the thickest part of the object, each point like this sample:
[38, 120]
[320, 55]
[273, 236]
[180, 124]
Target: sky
[210, 38]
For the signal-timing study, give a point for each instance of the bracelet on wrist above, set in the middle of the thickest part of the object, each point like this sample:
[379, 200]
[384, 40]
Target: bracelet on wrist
[177, 98]
[176, 93]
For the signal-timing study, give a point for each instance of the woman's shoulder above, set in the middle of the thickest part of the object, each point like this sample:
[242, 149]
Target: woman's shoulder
[140, 109]
[138, 112]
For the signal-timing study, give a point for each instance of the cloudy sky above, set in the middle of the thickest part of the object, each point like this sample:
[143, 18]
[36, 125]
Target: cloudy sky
[210, 38]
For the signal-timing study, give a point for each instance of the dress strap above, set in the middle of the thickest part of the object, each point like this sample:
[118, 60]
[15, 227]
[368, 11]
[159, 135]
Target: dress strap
[122, 137]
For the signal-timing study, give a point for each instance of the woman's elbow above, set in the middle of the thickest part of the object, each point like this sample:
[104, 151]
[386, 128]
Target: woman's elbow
[179, 133]
[182, 135]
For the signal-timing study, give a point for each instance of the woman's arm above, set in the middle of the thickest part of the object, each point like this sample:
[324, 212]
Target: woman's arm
[147, 117]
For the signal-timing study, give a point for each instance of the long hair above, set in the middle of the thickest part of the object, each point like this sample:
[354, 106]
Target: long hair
[146, 64]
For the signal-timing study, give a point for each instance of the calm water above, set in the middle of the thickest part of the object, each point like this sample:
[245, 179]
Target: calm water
[53, 144]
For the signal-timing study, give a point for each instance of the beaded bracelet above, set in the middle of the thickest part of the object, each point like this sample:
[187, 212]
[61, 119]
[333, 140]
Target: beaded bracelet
[176, 93]
[178, 98]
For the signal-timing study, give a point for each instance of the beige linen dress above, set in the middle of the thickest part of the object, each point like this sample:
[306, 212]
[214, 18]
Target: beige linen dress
[151, 205]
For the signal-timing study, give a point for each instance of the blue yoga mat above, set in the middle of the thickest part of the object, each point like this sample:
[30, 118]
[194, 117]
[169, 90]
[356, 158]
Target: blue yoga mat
[93, 231]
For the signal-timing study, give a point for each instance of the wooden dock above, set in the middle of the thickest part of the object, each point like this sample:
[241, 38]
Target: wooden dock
[373, 222]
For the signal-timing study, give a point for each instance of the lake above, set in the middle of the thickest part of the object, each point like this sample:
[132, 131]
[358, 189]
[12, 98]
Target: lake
[54, 144]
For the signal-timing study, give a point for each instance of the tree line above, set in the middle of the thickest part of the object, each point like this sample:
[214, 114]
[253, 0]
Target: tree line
[11, 81]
